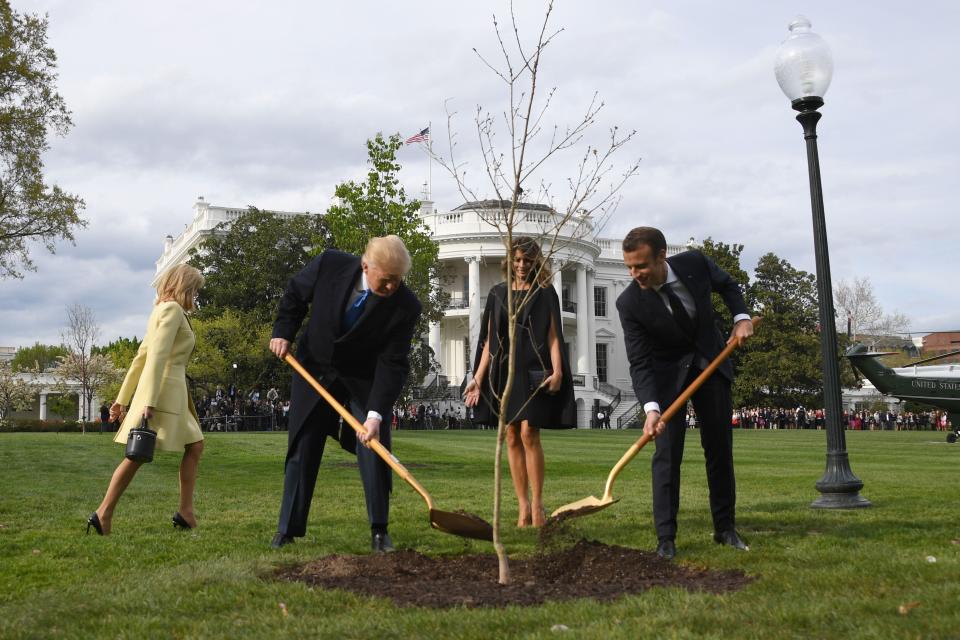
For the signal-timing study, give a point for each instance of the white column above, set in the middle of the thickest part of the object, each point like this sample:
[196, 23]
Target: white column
[473, 284]
[433, 339]
[591, 329]
[583, 349]
[79, 405]
[43, 406]
[558, 281]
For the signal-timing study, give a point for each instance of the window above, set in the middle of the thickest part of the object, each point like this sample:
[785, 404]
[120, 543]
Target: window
[600, 302]
[566, 304]
[602, 361]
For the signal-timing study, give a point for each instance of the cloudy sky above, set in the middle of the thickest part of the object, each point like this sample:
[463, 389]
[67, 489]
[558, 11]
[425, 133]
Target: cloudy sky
[270, 103]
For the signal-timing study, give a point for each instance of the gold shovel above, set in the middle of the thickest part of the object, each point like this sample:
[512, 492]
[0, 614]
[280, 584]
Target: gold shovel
[593, 504]
[461, 524]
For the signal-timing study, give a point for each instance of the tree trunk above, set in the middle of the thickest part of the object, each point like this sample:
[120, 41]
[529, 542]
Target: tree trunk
[503, 563]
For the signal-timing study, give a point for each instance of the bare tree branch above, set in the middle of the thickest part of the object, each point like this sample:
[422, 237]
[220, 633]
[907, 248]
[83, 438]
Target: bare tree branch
[91, 371]
[858, 306]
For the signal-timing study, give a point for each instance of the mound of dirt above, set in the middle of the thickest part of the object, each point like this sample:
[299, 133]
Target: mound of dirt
[588, 569]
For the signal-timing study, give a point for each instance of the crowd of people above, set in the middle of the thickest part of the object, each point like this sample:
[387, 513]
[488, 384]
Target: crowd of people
[433, 416]
[234, 410]
[231, 409]
[863, 420]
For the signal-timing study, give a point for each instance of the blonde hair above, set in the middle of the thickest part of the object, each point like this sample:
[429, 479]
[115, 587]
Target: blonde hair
[180, 283]
[389, 254]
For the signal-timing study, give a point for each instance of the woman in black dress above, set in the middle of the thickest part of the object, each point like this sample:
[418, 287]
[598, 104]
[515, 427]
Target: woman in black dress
[542, 390]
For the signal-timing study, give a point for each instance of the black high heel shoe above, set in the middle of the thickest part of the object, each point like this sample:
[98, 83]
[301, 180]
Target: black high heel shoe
[94, 521]
[179, 522]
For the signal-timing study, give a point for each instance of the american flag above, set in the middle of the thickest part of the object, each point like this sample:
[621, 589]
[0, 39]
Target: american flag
[423, 136]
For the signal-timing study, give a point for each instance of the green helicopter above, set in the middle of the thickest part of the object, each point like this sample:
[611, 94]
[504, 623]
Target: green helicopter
[934, 385]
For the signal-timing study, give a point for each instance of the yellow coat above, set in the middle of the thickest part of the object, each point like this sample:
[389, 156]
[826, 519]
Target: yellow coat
[158, 373]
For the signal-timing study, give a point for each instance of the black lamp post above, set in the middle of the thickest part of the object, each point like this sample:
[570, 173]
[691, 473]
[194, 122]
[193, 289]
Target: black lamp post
[804, 68]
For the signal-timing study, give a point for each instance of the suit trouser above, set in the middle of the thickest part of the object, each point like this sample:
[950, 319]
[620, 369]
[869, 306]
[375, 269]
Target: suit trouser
[714, 407]
[304, 452]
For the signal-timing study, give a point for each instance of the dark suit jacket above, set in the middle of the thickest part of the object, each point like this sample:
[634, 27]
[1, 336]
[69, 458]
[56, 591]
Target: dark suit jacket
[660, 353]
[369, 361]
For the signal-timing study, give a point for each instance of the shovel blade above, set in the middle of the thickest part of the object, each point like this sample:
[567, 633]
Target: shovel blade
[583, 507]
[465, 525]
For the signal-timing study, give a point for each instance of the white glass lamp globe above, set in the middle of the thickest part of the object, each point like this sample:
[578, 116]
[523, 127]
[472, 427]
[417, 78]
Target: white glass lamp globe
[804, 66]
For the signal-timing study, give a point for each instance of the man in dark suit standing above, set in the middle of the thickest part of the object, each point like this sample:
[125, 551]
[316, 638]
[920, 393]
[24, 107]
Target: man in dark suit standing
[670, 334]
[356, 344]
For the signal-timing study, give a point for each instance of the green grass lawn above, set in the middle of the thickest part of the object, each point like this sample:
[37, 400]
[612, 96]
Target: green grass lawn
[820, 574]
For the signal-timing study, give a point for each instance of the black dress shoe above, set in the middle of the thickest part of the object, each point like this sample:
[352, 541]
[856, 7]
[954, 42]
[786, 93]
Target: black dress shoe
[666, 549]
[280, 540]
[179, 522]
[381, 543]
[730, 537]
[94, 521]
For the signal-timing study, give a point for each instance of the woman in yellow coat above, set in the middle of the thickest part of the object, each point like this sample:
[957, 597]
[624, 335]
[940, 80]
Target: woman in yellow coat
[156, 388]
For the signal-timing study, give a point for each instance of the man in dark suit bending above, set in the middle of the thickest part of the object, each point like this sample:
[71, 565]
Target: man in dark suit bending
[356, 344]
[670, 334]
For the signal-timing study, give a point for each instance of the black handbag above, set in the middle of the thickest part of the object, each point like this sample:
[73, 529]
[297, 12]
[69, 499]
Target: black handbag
[535, 378]
[141, 441]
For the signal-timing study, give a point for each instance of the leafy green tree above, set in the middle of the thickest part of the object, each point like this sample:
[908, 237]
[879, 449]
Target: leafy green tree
[727, 257]
[120, 352]
[378, 206]
[247, 262]
[63, 405]
[30, 108]
[781, 365]
[38, 358]
[234, 338]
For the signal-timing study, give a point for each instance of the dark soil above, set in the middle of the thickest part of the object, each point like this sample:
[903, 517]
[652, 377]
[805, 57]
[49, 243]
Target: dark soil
[588, 569]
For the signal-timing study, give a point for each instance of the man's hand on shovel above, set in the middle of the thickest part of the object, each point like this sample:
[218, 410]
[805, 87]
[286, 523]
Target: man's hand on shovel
[280, 347]
[741, 331]
[653, 426]
[372, 425]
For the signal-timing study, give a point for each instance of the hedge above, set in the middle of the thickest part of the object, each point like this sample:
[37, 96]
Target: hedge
[33, 425]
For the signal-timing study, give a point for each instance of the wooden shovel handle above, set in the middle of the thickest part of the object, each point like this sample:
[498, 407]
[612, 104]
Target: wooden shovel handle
[677, 404]
[378, 448]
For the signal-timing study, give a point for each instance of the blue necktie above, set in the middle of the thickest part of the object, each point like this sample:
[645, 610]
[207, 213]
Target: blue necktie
[355, 310]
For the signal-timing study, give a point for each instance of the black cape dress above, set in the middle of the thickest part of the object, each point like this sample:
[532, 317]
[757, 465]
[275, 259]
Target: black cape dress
[540, 409]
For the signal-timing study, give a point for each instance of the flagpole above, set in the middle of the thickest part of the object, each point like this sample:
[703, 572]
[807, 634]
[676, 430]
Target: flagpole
[430, 160]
